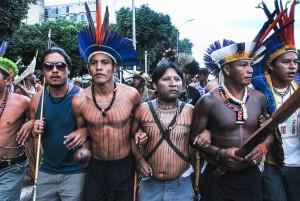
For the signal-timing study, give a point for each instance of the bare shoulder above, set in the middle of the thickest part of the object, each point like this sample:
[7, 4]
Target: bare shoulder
[211, 85]
[81, 97]
[129, 92]
[187, 107]
[20, 99]
[257, 95]
[210, 97]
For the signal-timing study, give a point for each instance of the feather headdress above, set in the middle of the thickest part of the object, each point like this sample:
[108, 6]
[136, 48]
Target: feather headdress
[210, 63]
[99, 39]
[3, 48]
[277, 43]
[187, 64]
[28, 71]
[281, 22]
[7, 65]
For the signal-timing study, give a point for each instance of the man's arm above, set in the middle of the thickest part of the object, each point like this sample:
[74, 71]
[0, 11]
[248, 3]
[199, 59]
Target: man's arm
[78, 137]
[134, 128]
[26, 128]
[260, 150]
[199, 126]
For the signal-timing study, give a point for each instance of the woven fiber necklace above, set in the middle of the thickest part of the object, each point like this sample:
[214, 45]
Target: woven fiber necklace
[234, 104]
[3, 105]
[104, 110]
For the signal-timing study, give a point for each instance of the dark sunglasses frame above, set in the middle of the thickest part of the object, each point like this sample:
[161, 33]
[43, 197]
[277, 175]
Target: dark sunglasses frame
[50, 65]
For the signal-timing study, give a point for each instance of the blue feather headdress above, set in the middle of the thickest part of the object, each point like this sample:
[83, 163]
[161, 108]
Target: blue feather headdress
[219, 54]
[3, 48]
[277, 43]
[213, 67]
[99, 39]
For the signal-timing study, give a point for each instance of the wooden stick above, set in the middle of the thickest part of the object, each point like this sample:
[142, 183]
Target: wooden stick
[279, 116]
[197, 175]
[39, 144]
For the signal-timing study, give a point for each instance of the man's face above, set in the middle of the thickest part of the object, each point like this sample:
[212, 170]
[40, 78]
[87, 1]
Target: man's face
[101, 68]
[4, 80]
[32, 78]
[169, 86]
[202, 76]
[137, 81]
[189, 77]
[55, 70]
[284, 67]
[240, 72]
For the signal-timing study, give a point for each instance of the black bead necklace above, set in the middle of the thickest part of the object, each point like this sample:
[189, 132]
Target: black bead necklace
[104, 110]
[3, 105]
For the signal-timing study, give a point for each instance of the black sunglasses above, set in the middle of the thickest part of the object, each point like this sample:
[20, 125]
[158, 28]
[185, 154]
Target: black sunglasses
[59, 65]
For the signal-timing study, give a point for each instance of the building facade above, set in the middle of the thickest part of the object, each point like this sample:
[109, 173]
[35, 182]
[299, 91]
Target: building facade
[73, 11]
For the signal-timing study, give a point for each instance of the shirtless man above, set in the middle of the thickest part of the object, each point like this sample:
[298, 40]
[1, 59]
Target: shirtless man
[13, 132]
[165, 162]
[106, 108]
[231, 113]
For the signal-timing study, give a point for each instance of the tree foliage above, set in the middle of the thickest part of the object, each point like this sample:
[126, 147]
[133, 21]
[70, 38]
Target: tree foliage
[154, 33]
[29, 38]
[11, 15]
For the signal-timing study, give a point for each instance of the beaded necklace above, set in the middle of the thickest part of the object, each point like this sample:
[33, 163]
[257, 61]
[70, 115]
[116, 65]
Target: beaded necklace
[3, 105]
[234, 104]
[158, 112]
[104, 110]
[282, 94]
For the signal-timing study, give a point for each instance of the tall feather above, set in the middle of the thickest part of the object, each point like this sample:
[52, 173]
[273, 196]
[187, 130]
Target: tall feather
[3, 48]
[90, 21]
[98, 22]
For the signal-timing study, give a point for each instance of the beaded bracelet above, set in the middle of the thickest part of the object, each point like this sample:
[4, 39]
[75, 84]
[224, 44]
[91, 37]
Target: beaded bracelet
[263, 149]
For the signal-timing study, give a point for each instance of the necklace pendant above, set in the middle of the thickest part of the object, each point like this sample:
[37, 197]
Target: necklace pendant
[103, 113]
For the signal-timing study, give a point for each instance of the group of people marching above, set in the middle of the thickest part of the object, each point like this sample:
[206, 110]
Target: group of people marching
[102, 143]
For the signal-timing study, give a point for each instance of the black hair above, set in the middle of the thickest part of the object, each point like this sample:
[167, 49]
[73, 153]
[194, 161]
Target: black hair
[60, 51]
[4, 74]
[162, 67]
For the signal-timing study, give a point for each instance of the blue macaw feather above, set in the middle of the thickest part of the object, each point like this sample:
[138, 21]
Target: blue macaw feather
[3, 48]
[213, 68]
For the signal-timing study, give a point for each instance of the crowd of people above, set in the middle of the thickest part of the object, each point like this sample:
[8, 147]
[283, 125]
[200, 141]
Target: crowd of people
[104, 140]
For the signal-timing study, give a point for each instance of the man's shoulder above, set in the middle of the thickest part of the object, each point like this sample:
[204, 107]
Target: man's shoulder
[127, 89]
[82, 94]
[20, 98]
[256, 93]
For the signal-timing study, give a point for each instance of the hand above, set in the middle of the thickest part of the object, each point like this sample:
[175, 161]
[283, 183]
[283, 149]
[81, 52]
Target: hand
[203, 139]
[145, 168]
[141, 138]
[24, 132]
[263, 119]
[76, 138]
[82, 157]
[255, 156]
[231, 160]
[38, 127]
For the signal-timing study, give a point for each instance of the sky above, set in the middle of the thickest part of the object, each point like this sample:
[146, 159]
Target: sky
[204, 21]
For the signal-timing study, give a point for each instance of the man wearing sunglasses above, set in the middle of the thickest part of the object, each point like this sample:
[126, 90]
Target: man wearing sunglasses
[60, 178]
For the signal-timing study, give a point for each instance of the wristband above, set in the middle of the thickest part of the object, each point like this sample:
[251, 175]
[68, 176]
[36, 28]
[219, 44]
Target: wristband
[262, 148]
